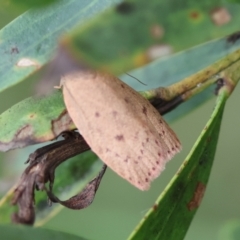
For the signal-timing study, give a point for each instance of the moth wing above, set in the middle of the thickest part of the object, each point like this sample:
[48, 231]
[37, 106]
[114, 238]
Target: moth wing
[120, 126]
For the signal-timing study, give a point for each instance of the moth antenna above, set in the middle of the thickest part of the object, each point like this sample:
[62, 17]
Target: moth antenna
[136, 79]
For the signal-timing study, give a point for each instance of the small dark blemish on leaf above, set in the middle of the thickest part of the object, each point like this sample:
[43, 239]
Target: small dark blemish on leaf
[197, 197]
[194, 14]
[125, 8]
[155, 206]
[233, 37]
[219, 84]
[31, 115]
[156, 31]
[14, 50]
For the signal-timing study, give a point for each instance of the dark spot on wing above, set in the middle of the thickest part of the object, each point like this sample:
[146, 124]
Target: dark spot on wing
[146, 179]
[114, 113]
[97, 114]
[120, 137]
[233, 37]
[144, 110]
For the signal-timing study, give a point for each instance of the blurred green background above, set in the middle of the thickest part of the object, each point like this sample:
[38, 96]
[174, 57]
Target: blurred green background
[118, 206]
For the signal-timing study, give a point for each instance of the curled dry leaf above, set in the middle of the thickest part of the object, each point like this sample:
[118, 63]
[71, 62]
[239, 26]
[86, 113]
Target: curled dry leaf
[120, 126]
[85, 197]
[41, 169]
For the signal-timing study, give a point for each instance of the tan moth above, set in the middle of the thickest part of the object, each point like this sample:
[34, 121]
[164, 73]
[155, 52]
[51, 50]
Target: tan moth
[120, 126]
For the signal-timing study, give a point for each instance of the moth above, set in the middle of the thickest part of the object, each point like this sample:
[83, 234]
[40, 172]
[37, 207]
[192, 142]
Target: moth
[120, 126]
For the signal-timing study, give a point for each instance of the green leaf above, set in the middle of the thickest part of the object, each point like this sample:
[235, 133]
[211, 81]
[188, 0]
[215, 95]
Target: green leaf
[147, 26]
[39, 120]
[175, 208]
[28, 42]
[230, 230]
[29, 233]
[62, 16]
[36, 3]
[8, 12]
